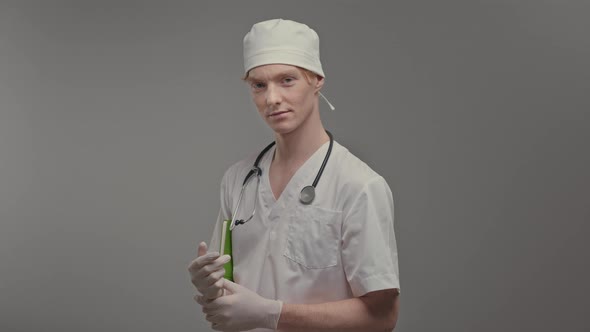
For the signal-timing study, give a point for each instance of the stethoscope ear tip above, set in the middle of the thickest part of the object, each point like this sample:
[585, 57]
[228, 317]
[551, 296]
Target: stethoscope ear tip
[235, 223]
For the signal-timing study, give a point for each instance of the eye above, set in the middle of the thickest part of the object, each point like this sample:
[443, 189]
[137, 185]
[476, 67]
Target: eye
[258, 85]
[288, 80]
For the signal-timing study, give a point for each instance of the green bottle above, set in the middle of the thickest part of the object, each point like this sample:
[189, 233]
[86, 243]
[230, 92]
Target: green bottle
[225, 249]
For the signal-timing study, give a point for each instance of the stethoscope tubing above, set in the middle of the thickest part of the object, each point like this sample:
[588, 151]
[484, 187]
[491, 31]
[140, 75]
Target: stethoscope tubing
[306, 195]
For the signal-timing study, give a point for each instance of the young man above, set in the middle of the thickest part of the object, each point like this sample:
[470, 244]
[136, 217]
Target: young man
[321, 258]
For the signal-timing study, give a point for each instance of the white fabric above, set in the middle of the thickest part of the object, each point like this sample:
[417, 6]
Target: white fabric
[341, 246]
[282, 41]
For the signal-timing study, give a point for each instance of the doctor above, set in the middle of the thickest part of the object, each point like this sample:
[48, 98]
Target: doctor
[325, 262]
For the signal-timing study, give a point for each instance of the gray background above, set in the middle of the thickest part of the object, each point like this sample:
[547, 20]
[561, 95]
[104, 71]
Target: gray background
[118, 119]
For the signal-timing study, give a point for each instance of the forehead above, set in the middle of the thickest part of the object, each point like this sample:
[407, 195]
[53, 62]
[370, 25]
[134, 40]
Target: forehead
[271, 70]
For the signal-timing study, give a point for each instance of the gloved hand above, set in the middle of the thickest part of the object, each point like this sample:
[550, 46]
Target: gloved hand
[240, 310]
[207, 272]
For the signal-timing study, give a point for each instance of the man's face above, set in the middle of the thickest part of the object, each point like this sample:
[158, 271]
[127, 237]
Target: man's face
[284, 97]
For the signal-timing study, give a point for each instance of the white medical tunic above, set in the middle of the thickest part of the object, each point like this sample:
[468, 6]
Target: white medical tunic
[340, 246]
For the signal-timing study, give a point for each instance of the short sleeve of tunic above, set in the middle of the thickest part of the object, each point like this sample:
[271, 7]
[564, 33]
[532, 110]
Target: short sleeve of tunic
[369, 250]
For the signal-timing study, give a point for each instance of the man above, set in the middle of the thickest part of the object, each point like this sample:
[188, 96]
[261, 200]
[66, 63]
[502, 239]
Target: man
[304, 261]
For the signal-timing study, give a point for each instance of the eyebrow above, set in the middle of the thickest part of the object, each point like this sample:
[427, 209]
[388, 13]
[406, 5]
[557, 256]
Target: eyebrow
[289, 72]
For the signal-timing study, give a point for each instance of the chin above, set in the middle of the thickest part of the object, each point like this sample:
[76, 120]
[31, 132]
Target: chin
[282, 129]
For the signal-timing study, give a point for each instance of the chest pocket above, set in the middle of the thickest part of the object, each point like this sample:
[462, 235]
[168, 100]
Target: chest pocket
[313, 238]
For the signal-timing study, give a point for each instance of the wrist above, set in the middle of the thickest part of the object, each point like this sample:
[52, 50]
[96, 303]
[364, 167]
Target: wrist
[273, 309]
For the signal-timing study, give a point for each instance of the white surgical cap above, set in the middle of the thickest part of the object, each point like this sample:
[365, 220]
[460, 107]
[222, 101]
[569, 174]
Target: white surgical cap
[282, 41]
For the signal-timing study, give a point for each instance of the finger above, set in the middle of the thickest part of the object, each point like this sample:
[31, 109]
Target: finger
[201, 261]
[219, 327]
[214, 291]
[212, 266]
[223, 327]
[200, 299]
[231, 286]
[215, 318]
[212, 286]
[205, 301]
[209, 311]
[220, 293]
[210, 306]
[215, 276]
[202, 249]
[219, 262]
[216, 327]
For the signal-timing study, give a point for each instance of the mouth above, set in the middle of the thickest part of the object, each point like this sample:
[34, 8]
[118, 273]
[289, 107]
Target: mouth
[277, 113]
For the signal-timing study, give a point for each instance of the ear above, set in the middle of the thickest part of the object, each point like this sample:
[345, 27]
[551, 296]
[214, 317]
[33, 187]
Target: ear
[319, 83]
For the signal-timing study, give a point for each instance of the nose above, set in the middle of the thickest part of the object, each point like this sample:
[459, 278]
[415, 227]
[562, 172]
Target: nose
[273, 95]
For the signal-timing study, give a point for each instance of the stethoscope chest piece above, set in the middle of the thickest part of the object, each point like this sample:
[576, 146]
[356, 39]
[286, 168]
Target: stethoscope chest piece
[307, 195]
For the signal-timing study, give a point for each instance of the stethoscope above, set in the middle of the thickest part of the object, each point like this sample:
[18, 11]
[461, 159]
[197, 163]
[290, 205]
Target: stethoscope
[306, 196]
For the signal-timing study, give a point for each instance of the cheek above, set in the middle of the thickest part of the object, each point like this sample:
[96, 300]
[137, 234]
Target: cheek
[305, 99]
[259, 102]
[297, 98]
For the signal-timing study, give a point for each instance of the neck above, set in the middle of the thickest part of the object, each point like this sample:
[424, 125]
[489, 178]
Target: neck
[298, 145]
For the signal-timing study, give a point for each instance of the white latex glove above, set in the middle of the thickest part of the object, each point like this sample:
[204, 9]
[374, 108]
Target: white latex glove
[241, 310]
[207, 272]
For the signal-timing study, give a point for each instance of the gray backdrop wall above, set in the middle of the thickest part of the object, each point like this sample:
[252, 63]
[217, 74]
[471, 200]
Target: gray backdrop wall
[118, 119]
